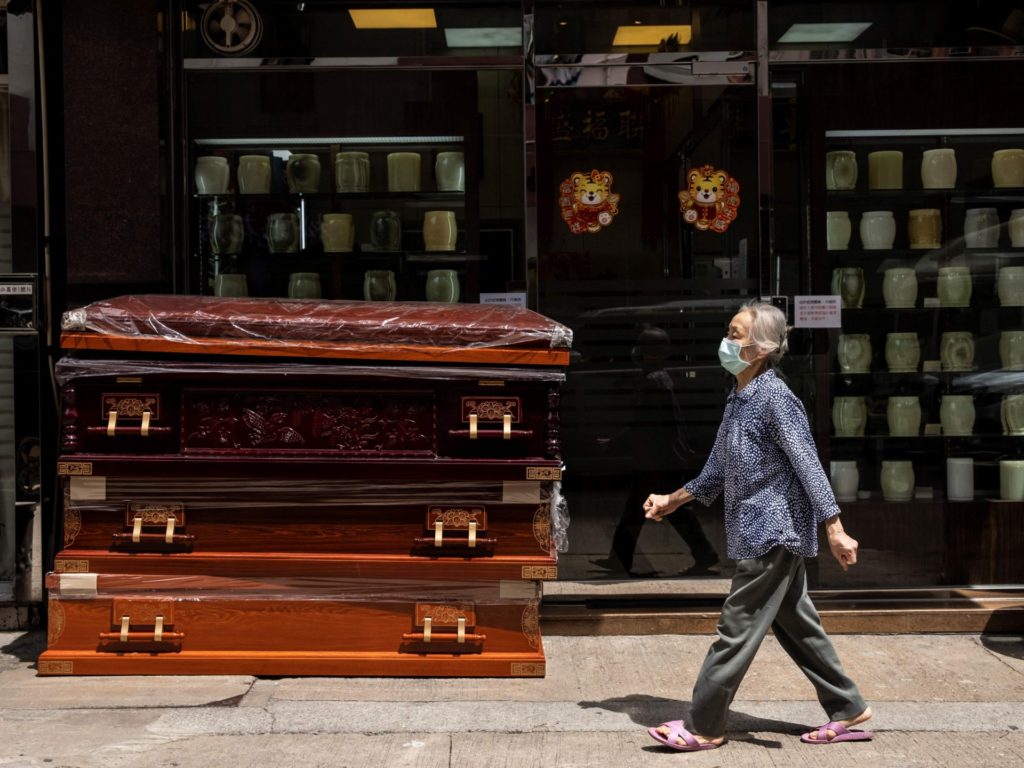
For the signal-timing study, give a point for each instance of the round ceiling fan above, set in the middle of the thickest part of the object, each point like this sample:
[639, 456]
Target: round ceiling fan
[231, 27]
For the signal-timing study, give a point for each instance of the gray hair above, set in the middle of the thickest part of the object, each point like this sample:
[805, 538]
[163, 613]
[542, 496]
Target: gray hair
[768, 330]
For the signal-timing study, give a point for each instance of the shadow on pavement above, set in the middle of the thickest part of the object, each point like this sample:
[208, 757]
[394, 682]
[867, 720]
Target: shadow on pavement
[1005, 645]
[26, 647]
[647, 711]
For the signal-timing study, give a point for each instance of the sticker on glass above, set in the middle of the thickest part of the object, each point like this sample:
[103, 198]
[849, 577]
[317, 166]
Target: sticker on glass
[587, 201]
[711, 199]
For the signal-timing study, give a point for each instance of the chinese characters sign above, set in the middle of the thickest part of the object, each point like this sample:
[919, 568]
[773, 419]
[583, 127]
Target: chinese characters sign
[587, 202]
[608, 126]
[817, 312]
[711, 199]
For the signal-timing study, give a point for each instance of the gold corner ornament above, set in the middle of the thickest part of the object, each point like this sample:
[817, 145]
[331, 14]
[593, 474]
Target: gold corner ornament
[56, 667]
[586, 201]
[711, 200]
[520, 669]
[74, 468]
[539, 573]
[543, 473]
[71, 566]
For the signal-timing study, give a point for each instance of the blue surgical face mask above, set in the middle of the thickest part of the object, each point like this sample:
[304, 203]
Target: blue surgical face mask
[729, 355]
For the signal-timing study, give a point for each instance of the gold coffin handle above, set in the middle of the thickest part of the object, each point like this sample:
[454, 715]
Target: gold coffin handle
[439, 534]
[460, 636]
[144, 428]
[159, 635]
[472, 426]
[506, 427]
[168, 532]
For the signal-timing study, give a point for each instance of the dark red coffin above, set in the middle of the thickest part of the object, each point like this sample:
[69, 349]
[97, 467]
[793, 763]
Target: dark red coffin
[293, 409]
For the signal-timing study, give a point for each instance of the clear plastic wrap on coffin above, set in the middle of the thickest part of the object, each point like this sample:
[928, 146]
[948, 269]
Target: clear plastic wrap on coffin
[559, 510]
[81, 586]
[347, 521]
[315, 328]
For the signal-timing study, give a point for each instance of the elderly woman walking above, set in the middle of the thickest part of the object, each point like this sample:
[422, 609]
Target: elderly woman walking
[776, 495]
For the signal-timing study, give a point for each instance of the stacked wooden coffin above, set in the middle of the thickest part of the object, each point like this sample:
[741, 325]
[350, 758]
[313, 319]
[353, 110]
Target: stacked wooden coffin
[305, 488]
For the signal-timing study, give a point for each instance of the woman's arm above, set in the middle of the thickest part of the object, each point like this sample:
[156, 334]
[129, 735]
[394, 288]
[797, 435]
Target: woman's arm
[788, 428]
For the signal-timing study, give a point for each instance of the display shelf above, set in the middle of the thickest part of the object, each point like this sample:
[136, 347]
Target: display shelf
[454, 198]
[948, 250]
[438, 257]
[341, 272]
[985, 316]
[962, 196]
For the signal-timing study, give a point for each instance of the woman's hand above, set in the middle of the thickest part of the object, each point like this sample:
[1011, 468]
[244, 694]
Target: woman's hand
[844, 548]
[658, 505]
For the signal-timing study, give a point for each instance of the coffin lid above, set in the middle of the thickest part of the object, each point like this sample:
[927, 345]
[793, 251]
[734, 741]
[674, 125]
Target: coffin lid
[312, 328]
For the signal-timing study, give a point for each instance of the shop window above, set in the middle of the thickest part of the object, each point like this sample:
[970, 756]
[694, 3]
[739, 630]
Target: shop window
[908, 212]
[648, 295]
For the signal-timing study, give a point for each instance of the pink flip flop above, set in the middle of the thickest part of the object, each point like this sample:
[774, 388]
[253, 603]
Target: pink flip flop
[676, 730]
[842, 733]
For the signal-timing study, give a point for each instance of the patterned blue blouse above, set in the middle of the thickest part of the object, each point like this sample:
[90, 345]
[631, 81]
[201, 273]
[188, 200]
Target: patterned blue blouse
[764, 457]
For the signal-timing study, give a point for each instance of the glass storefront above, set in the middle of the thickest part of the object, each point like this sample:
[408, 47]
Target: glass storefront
[906, 211]
[21, 396]
[390, 161]
[637, 171]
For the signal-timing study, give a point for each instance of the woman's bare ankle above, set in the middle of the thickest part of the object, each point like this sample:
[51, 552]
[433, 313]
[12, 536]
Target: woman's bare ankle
[863, 717]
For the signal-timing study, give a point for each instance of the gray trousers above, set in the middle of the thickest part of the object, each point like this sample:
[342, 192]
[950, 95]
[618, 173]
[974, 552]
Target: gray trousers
[769, 592]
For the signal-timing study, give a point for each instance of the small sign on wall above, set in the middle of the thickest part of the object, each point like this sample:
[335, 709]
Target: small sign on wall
[817, 312]
[513, 299]
[18, 302]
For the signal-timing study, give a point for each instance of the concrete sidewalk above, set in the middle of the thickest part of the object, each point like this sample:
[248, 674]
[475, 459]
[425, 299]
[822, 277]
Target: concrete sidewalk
[938, 700]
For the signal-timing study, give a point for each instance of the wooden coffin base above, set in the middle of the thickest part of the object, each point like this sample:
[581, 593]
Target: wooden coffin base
[294, 664]
[138, 625]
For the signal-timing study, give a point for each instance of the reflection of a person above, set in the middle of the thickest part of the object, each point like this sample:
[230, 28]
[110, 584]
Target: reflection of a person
[655, 441]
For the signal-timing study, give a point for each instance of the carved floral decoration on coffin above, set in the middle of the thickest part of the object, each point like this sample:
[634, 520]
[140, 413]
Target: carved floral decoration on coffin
[711, 200]
[587, 202]
[314, 422]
